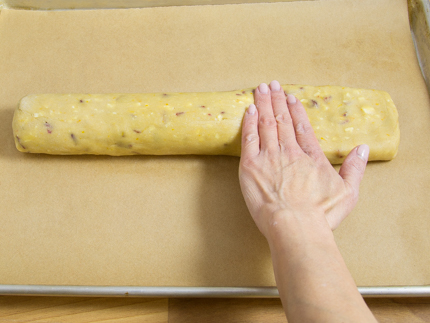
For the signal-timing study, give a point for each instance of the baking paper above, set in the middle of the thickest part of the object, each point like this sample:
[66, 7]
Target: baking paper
[181, 220]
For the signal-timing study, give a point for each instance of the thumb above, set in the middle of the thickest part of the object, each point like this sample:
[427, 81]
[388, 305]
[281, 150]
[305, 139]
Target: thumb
[353, 167]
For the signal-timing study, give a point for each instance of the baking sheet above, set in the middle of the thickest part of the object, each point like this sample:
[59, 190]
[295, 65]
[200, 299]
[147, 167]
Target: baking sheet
[162, 221]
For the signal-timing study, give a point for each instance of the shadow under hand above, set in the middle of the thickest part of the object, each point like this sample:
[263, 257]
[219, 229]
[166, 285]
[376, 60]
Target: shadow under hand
[232, 252]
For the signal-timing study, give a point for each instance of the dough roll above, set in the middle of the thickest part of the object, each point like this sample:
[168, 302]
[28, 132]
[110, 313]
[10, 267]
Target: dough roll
[197, 123]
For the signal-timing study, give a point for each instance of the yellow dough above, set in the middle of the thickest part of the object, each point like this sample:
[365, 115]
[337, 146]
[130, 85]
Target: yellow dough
[197, 123]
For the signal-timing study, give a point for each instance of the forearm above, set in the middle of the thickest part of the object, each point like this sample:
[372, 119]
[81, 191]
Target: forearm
[313, 280]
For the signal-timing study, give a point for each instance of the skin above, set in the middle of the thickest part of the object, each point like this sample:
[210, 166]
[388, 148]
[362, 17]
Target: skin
[296, 199]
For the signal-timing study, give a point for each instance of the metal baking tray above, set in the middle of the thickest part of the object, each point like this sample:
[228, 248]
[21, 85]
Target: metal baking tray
[419, 18]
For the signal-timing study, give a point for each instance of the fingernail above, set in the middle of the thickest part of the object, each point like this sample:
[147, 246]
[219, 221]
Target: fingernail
[251, 110]
[275, 86]
[291, 99]
[363, 152]
[263, 88]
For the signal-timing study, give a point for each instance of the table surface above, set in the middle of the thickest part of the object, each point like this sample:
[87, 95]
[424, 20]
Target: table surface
[15, 309]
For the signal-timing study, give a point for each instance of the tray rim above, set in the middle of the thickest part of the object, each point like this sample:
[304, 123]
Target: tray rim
[191, 292]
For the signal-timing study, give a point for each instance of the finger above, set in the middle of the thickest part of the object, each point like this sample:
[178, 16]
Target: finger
[286, 135]
[352, 170]
[250, 140]
[266, 120]
[304, 132]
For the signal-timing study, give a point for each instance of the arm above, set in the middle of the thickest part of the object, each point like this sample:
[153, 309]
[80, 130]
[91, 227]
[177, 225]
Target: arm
[296, 199]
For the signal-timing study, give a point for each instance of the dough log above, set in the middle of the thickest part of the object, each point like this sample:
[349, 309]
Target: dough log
[197, 123]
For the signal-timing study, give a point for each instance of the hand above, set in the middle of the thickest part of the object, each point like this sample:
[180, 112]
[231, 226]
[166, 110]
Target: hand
[284, 172]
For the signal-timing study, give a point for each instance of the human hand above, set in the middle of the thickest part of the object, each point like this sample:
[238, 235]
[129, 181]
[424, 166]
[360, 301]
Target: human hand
[283, 171]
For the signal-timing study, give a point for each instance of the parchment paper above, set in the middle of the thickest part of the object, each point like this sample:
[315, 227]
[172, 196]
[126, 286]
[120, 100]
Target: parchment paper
[182, 221]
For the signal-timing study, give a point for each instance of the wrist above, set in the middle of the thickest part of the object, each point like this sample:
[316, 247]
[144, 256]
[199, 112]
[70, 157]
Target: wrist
[290, 227]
